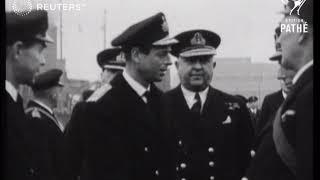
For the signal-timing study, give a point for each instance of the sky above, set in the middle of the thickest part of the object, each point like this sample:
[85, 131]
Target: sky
[246, 27]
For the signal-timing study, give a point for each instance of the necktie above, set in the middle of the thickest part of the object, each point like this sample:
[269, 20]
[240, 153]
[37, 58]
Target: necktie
[20, 101]
[147, 95]
[196, 107]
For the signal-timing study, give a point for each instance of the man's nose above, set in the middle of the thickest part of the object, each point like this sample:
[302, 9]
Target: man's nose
[42, 60]
[197, 64]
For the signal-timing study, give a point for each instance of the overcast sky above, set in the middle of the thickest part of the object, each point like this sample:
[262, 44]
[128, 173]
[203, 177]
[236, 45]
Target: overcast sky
[246, 27]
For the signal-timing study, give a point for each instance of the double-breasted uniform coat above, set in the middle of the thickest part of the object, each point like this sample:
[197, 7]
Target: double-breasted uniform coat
[212, 146]
[119, 138]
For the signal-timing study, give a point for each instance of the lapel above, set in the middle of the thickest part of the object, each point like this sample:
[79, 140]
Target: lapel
[134, 103]
[214, 104]
[17, 125]
[181, 116]
[305, 78]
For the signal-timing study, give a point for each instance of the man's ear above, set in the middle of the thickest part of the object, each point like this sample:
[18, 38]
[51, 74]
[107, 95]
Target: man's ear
[136, 54]
[16, 49]
[176, 63]
[304, 36]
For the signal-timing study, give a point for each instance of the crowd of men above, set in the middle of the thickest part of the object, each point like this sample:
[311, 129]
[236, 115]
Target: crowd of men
[130, 130]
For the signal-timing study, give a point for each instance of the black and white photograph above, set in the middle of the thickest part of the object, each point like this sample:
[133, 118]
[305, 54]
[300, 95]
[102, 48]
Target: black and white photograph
[158, 90]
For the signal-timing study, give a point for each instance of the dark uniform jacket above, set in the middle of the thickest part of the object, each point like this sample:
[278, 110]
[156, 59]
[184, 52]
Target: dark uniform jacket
[213, 146]
[255, 118]
[296, 122]
[120, 137]
[49, 131]
[25, 157]
[270, 105]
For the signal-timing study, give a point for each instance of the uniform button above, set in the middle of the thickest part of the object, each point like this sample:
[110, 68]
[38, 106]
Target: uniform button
[156, 172]
[146, 149]
[180, 143]
[183, 165]
[31, 171]
[211, 163]
[252, 153]
[211, 177]
[211, 150]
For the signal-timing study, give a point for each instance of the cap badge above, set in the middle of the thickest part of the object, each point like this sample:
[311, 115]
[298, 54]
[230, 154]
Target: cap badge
[198, 39]
[121, 57]
[164, 24]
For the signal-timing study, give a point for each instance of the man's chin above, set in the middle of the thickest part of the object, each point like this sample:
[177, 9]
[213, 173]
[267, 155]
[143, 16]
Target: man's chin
[198, 87]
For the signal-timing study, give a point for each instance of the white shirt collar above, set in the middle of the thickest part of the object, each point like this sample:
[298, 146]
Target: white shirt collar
[284, 94]
[43, 105]
[12, 91]
[136, 86]
[189, 96]
[301, 71]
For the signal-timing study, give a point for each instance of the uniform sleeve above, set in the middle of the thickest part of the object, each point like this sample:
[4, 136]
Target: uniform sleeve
[71, 147]
[245, 134]
[263, 119]
[304, 134]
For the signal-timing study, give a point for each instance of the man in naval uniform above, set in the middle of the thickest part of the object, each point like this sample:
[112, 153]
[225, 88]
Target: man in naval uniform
[210, 130]
[111, 62]
[46, 89]
[26, 38]
[286, 151]
[122, 136]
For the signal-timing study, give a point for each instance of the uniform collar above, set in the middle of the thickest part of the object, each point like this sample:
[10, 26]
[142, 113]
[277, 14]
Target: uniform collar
[11, 90]
[189, 96]
[136, 86]
[284, 94]
[301, 71]
[44, 106]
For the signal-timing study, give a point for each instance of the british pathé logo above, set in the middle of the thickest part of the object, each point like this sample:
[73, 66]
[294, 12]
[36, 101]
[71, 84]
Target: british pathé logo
[296, 5]
[21, 7]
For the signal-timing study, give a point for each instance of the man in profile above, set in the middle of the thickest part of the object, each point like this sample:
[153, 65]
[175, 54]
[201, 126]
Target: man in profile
[40, 111]
[26, 40]
[286, 151]
[123, 139]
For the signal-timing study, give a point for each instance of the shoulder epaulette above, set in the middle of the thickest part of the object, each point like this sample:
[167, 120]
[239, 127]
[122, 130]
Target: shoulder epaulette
[99, 93]
[34, 112]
